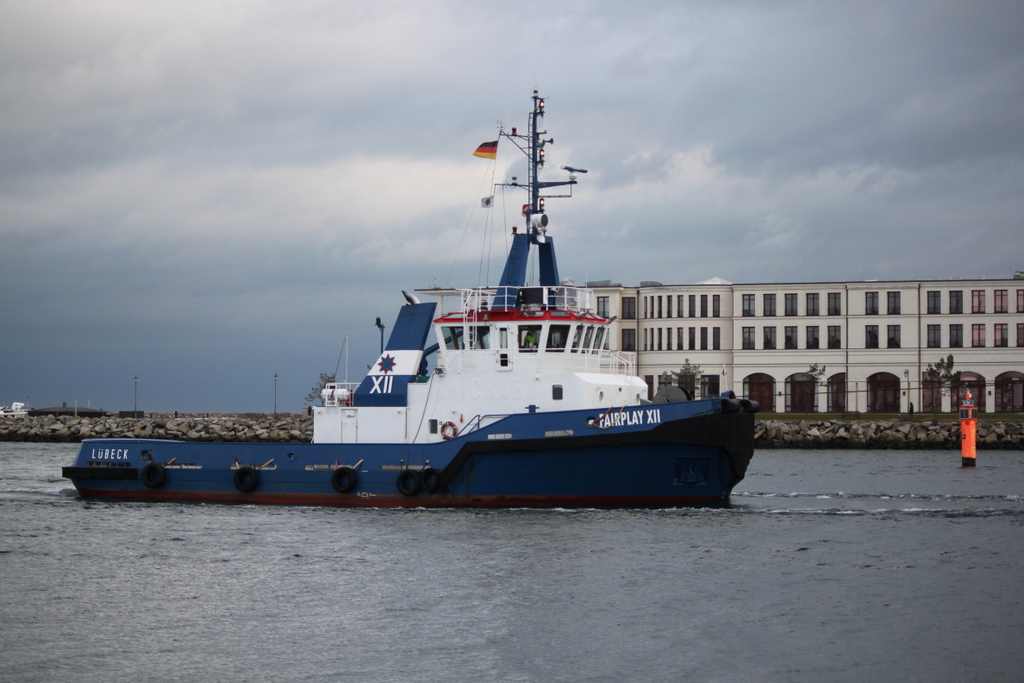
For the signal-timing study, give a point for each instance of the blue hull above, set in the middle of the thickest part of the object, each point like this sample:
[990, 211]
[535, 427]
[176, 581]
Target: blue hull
[659, 455]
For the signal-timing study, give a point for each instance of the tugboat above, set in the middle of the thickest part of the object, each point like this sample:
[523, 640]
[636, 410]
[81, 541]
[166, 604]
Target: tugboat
[526, 406]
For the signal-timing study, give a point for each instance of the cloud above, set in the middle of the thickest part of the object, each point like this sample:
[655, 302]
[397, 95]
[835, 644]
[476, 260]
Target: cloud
[213, 190]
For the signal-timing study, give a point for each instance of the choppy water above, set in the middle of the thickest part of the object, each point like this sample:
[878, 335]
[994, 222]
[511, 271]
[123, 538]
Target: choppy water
[830, 566]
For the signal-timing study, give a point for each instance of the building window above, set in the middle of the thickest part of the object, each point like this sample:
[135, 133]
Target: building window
[934, 336]
[629, 340]
[703, 339]
[769, 304]
[977, 301]
[871, 303]
[629, 310]
[871, 336]
[668, 306]
[716, 338]
[748, 338]
[693, 305]
[1001, 335]
[703, 305]
[693, 338]
[769, 337]
[935, 302]
[790, 337]
[660, 339]
[602, 306]
[812, 304]
[680, 338]
[892, 334]
[716, 306]
[1020, 300]
[893, 301]
[835, 336]
[978, 335]
[709, 386]
[812, 337]
[956, 302]
[791, 304]
[668, 338]
[956, 336]
[1001, 301]
[1020, 334]
[660, 309]
[835, 303]
[748, 305]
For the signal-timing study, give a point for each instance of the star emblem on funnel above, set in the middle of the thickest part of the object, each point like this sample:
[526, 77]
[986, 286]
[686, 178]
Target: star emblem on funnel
[387, 364]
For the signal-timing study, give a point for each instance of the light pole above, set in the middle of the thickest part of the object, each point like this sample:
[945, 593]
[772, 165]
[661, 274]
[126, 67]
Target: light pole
[380, 326]
[135, 409]
[275, 393]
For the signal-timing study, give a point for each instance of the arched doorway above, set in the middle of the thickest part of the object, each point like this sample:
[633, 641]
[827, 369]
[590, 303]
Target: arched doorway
[761, 388]
[974, 383]
[1009, 393]
[800, 393]
[883, 393]
[837, 393]
[931, 394]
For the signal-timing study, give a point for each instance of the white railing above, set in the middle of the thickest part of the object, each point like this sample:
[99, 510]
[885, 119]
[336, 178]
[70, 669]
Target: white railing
[566, 298]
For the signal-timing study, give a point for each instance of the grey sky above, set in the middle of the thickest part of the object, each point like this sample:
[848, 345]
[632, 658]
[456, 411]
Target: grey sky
[203, 194]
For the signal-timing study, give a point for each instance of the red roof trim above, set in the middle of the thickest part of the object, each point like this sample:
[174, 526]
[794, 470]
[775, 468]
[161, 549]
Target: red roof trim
[517, 315]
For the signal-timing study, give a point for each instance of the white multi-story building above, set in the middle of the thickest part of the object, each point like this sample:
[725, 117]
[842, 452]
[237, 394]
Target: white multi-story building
[874, 340]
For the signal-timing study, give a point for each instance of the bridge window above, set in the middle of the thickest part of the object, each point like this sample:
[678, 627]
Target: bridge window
[558, 337]
[452, 338]
[587, 339]
[480, 337]
[528, 336]
[576, 338]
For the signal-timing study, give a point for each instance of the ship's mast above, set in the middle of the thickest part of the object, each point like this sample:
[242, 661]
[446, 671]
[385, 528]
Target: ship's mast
[536, 153]
[532, 145]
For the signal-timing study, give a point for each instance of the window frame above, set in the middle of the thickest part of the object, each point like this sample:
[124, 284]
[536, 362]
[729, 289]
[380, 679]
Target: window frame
[870, 303]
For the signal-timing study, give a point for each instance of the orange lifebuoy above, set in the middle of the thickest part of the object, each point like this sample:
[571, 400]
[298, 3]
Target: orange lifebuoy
[449, 431]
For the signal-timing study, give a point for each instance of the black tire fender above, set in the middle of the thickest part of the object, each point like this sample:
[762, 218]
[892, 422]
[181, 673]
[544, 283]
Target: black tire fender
[409, 482]
[430, 479]
[154, 475]
[731, 405]
[246, 479]
[344, 479]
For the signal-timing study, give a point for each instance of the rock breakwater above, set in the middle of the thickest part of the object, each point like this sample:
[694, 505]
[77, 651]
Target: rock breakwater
[249, 427]
[883, 434]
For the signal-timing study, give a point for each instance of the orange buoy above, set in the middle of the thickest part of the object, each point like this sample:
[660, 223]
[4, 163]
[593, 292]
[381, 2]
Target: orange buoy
[968, 432]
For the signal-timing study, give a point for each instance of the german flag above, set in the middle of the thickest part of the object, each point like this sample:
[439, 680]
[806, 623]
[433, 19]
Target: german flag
[488, 150]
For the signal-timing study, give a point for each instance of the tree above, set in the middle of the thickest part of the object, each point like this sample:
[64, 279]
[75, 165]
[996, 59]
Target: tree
[688, 376]
[940, 375]
[314, 394]
[816, 372]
